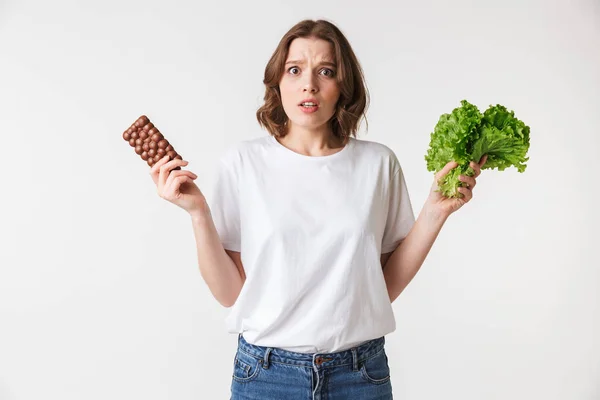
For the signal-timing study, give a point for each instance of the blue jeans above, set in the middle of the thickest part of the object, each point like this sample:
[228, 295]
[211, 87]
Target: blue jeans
[267, 373]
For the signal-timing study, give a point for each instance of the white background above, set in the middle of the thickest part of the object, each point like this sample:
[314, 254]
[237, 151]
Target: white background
[100, 293]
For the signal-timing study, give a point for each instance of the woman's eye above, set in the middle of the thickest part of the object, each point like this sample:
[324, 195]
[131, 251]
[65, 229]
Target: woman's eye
[325, 71]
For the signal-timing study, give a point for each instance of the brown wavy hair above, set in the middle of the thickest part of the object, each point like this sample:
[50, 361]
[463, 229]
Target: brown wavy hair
[354, 96]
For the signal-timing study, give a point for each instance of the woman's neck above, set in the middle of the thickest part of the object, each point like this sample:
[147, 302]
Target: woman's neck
[312, 142]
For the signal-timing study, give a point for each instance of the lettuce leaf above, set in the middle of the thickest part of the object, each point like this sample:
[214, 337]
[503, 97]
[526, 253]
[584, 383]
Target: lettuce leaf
[504, 138]
[466, 135]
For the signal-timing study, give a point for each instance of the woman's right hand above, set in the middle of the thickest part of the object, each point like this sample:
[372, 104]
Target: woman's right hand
[177, 186]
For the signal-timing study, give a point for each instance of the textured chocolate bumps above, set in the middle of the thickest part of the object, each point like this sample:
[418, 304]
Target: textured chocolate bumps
[148, 142]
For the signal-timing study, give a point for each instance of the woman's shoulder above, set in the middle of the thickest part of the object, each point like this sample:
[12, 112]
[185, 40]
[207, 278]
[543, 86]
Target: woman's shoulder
[236, 152]
[377, 150]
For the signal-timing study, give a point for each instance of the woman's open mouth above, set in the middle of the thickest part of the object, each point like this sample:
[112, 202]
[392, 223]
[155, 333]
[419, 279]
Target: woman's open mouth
[308, 107]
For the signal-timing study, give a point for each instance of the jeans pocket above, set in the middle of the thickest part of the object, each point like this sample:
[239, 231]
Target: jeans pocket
[246, 367]
[376, 369]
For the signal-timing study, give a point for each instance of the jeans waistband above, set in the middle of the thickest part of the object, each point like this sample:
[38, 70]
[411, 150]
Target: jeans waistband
[355, 355]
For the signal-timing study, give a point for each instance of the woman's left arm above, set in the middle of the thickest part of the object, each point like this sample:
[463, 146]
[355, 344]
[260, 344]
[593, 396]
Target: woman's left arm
[407, 259]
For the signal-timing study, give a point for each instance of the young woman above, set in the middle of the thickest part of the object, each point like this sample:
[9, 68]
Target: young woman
[310, 235]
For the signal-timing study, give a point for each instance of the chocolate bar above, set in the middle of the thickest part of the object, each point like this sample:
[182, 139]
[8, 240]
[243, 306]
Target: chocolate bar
[148, 142]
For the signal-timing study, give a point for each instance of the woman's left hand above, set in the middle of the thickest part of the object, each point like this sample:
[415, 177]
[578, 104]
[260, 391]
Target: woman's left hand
[444, 206]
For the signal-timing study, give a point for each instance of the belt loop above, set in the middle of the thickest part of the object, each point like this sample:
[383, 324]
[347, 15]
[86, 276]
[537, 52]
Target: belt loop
[266, 359]
[354, 359]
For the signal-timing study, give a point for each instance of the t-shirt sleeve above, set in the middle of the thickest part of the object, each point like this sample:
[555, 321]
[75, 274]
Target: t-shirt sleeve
[400, 217]
[225, 206]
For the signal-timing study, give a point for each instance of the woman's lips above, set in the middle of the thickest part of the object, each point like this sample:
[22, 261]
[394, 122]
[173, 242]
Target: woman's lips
[308, 109]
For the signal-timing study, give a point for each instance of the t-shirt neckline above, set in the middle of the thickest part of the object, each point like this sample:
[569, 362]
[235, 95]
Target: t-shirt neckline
[305, 157]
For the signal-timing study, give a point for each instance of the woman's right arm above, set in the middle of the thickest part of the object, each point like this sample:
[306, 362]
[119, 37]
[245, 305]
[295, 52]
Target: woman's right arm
[221, 270]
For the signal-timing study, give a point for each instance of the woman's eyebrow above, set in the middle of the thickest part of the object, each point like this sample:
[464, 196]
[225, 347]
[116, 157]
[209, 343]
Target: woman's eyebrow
[300, 62]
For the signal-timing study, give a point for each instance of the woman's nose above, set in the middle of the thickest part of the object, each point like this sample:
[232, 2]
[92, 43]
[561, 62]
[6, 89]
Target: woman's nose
[310, 84]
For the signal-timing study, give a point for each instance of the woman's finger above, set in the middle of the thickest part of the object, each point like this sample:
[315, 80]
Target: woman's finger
[467, 193]
[154, 171]
[175, 174]
[475, 168]
[470, 181]
[166, 168]
[483, 160]
[172, 191]
[447, 168]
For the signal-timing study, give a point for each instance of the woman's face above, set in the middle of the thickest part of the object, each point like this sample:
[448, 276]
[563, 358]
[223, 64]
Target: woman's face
[309, 76]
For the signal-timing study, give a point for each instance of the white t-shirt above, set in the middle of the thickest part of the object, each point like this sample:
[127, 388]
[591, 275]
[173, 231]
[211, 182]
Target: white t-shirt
[311, 231]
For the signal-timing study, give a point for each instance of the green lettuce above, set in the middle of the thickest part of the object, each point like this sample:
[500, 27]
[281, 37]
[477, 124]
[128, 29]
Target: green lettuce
[466, 135]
